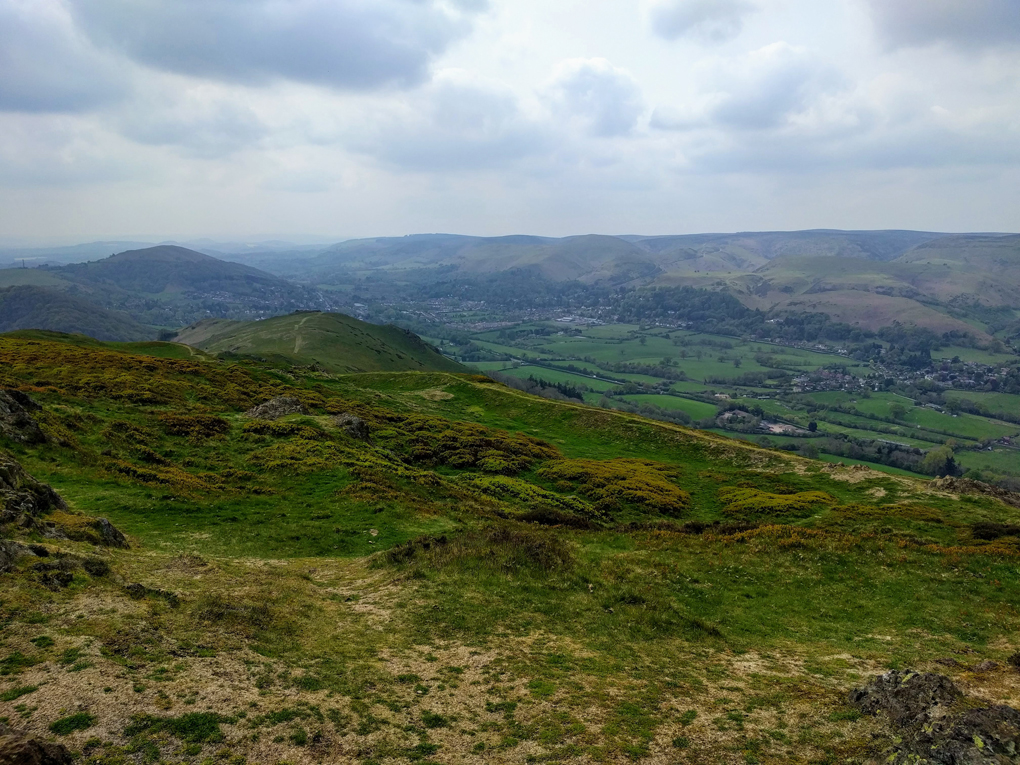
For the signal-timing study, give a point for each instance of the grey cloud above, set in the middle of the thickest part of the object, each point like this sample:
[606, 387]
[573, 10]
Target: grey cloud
[46, 66]
[970, 24]
[764, 89]
[454, 125]
[204, 128]
[715, 20]
[605, 99]
[347, 44]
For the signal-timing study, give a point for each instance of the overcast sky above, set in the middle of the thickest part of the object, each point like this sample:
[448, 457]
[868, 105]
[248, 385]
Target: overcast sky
[266, 118]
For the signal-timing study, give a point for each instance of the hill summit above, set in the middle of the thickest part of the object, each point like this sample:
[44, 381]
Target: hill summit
[333, 341]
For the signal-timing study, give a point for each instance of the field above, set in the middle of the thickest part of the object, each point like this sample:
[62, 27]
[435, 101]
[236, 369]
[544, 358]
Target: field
[717, 372]
[489, 576]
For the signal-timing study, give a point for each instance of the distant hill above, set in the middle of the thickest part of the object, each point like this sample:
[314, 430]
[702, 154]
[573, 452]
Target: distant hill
[172, 269]
[333, 341]
[590, 259]
[169, 285]
[32, 307]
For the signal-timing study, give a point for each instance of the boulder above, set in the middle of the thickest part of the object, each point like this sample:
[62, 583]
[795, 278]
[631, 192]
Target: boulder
[276, 408]
[10, 552]
[18, 748]
[22, 498]
[352, 425]
[16, 421]
[935, 724]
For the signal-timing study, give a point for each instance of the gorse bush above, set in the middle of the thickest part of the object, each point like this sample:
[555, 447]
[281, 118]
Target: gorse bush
[614, 484]
[436, 441]
[515, 489]
[754, 503]
[196, 426]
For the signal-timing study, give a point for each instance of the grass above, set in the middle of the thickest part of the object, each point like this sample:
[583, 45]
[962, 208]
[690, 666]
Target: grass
[696, 409]
[492, 573]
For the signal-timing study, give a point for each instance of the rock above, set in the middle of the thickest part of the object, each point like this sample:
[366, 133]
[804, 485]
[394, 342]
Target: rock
[109, 535]
[18, 748]
[22, 498]
[10, 552]
[907, 697]
[354, 426]
[16, 422]
[934, 724]
[967, 486]
[986, 666]
[276, 408]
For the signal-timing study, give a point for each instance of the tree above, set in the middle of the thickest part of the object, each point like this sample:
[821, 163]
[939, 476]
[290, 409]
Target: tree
[737, 362]
[939, 462]
[812, 426]
[898, 411]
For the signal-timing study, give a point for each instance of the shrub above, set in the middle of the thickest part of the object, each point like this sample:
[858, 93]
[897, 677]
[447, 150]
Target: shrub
[196, 426]
[755, 503]
[615, 483]
[515, 489]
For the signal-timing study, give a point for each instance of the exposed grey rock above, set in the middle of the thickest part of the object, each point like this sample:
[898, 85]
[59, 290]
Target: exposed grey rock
[16, 422]
[352, 425]
[934, 724]
[10, 552]
[18, 748]
[276, 408]
[22, 498]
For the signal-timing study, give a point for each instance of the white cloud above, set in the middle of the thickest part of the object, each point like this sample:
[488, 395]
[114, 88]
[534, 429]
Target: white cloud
[714, 20]
[606, 100]
[459, 122]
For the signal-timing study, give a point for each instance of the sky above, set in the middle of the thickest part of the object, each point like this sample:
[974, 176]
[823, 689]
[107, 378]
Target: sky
[329, 119]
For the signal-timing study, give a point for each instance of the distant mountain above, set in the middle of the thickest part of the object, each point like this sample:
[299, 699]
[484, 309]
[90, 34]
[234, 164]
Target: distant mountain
[78, 253]
[333, 341]
[31, 307]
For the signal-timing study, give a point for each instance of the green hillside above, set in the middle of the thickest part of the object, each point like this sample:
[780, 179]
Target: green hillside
[473, 575]
[332, 341]
[32, 307]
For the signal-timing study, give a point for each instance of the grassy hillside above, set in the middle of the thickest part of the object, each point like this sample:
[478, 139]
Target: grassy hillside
[32, 307]
[332, 341]
[489, 577]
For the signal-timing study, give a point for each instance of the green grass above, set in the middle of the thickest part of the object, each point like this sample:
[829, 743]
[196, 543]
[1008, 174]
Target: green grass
[384, 593]
[698, 410]
[334, 342]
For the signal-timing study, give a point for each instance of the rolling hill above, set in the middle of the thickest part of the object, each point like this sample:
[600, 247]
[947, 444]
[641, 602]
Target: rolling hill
[171, 286]
[32, 307]
[332, 341]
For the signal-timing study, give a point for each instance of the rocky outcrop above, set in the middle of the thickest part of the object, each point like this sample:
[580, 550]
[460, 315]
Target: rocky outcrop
[22, 498]
[18, 748]
[24, 502]
[352, 425]
[935, 724]
[276, 408]
[967, 486]
[16, 420]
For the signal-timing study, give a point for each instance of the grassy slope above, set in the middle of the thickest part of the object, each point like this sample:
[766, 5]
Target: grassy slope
[46, 308]
[335, 342]
[510, 641]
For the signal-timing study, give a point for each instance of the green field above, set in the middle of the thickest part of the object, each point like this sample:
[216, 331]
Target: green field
[698, 410]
